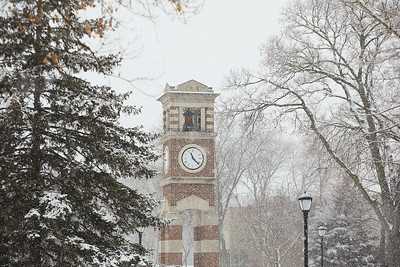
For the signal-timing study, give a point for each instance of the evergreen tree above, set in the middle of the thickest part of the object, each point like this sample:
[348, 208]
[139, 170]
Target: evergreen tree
[62, 149]
[350, 239]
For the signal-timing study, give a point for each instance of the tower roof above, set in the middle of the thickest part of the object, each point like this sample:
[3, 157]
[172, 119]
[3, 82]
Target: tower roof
[189, 86]
[187, 91]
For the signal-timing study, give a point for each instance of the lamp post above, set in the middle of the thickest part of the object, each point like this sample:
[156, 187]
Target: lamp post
[305, 201]
[140, 231]
[321, 232]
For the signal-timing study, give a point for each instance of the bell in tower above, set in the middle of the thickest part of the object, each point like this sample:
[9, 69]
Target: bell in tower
[192, 120]
[188, 122]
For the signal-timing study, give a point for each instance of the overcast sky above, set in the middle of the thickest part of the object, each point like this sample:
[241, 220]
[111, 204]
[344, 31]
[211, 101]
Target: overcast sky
[225, 35]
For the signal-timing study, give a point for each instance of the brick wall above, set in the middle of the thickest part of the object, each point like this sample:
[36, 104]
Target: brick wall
[171, 259]
[171, 232]
[205, 232]
[209, 259]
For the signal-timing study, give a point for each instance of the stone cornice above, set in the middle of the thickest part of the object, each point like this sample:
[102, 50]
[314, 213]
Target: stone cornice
[187, 180]
[197, 95]
[187, 135]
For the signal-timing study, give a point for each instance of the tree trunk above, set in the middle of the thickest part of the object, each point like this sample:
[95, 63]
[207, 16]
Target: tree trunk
[393, 248]
[382, 248]
[36, 153]
[224, 255]
[36, 162]
[393, 235]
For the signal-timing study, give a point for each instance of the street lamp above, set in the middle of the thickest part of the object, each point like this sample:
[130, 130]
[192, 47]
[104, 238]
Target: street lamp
[140, 231]
[321, 232]
[305, 201]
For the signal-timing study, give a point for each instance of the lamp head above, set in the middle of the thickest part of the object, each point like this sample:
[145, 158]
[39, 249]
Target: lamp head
[322, 230]
[140, 229]
[305, 201]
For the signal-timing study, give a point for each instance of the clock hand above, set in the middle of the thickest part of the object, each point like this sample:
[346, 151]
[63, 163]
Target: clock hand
[194, 158]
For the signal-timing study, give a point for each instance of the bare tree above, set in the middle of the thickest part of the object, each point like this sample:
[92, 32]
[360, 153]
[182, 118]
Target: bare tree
[272, 231]
[236, 149]
[385, 12]
[334, 70]
[273, 234]
[253, 163]
[273, 183]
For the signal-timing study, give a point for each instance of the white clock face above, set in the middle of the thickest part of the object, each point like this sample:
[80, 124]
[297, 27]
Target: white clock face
[192, 158]
[166, 159]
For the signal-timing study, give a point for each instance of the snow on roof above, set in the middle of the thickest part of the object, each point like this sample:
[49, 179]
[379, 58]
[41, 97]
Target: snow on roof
[189, 86]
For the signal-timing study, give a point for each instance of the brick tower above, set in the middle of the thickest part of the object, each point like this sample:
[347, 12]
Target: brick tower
[189, 173]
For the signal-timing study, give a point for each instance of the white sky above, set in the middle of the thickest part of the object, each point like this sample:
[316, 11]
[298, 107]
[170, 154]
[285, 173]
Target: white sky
[225, 35]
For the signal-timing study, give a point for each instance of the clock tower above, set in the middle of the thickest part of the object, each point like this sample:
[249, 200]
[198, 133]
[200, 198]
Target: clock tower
[189, 173]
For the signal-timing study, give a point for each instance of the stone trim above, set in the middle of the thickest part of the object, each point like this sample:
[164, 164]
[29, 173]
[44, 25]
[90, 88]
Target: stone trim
[178, 135]
[186, 180]
[206, 246]
[171, 246]
[186, 100]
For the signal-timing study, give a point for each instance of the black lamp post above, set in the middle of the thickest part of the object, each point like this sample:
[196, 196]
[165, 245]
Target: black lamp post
[321, 232]
[305, 201]
[140, 231]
